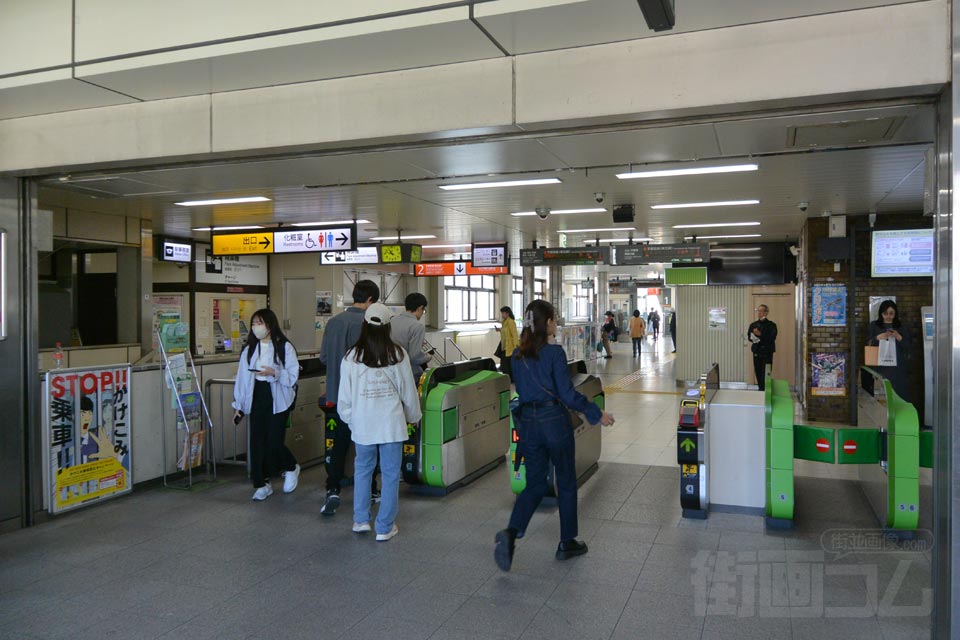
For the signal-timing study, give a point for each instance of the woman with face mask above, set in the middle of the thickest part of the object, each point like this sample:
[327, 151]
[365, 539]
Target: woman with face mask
[264, 390]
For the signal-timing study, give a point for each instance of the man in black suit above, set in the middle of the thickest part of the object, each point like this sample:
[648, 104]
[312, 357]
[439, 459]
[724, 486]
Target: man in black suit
[763, 334]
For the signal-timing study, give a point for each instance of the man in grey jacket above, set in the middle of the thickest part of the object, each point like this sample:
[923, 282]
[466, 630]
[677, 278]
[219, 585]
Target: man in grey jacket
[340, 334]
[407, 331]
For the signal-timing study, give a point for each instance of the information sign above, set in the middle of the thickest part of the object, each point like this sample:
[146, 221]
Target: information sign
[571, 255]
[234, 244]
[314, 240]
[456, 268]
[652, 253]
[363, 255]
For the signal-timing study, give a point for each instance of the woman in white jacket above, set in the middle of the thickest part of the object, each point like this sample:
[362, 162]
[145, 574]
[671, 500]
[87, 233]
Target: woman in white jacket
[264, 390]
[377, 398]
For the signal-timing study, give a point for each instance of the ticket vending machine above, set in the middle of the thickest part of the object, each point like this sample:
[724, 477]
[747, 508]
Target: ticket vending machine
[928, 337]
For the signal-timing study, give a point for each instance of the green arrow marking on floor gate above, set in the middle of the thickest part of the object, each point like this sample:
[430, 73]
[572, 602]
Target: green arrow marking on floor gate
[331, 424]
[688, 445]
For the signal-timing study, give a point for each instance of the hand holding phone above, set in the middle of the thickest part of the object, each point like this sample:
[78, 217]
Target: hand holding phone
[237, 417]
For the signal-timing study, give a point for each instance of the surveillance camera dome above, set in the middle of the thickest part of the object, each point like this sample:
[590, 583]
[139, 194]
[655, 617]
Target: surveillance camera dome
[542, 212]
[803, 205]
[599, 196]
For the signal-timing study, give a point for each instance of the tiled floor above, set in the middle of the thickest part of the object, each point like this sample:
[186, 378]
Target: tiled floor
[213, 564]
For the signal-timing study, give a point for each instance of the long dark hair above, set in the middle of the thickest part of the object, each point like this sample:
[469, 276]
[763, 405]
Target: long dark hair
[375, 349]
[886, 304]
[509, 312]
[534, 334]
[279, 340]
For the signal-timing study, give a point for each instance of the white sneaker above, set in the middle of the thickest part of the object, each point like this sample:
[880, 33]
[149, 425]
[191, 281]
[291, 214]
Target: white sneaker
[263, 492]
[383, 537]
[361, 527]
[290, 479]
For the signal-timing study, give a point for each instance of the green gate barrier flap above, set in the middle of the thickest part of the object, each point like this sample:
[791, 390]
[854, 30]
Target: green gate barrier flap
[817, 444]
[926, 448]
[780, 498]
[858, 446]
[779, 449]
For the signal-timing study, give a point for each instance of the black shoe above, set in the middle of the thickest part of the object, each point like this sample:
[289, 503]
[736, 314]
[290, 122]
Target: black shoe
[607, 356]
[331, 504]
[570, 548]
[503, 551]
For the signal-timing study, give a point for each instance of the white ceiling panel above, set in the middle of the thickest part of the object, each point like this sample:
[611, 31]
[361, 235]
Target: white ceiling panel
[484, 158]
[638, 147]
[526, 26]
[52, 92]
[407, 42]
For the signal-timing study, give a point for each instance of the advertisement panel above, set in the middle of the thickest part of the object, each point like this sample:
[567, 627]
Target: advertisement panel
[86, 436]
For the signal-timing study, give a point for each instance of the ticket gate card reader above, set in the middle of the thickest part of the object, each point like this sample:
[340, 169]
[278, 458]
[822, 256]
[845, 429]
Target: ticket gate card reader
[587, 437]
[464, 428]
[692, 445]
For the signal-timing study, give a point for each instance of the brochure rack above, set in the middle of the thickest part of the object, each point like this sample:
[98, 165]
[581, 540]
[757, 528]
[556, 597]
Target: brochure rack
[194, 432]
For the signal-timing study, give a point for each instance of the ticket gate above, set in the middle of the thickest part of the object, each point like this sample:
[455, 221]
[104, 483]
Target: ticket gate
[693, 444]
[465, 425]
[586, 435]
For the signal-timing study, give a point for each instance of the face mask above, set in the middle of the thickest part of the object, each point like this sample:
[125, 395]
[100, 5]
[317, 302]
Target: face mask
[260, 331]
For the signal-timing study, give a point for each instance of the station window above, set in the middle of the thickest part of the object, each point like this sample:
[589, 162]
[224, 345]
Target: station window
[469, 298]
[516, 299]
[581, 301]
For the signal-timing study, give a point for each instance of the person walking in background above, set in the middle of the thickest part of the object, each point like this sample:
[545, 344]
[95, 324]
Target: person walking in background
[763, 334]
[508, 339]
[638, 330]
[545, 432]
[607, 332]
[377, 398]
[887, 326]
[342, 333]
[264, 390]
[407, 330]
[655, 323]
[673, 329]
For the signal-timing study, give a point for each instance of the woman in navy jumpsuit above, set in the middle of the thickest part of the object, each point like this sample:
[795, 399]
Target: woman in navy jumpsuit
[543, 383]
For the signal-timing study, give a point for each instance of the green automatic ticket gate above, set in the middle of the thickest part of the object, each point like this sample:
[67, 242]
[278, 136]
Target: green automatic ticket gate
[465, 425]
[586, 436]
[887, 444]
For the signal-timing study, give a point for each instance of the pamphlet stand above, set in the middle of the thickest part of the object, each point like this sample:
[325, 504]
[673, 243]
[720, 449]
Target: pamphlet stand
[194, 429]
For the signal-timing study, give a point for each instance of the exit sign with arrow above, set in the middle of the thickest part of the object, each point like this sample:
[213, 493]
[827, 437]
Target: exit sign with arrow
[292, 240]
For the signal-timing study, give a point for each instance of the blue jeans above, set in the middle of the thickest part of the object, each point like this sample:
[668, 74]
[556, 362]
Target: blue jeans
[363, 466]
[546, 435]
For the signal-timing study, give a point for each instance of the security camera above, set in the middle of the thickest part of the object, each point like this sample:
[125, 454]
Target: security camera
[803, 206]
[599, 196]
[542, 212]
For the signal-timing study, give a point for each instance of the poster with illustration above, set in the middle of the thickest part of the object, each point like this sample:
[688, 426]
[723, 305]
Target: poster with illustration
[717, 319]
[828, 306]
[829, 374]
[86, 436]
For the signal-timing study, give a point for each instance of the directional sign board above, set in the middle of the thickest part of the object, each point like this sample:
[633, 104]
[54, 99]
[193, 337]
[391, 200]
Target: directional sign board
[456, 268]
[363, 255]
[318, 240]
[572, 255]
[235, 244]
[651, 253]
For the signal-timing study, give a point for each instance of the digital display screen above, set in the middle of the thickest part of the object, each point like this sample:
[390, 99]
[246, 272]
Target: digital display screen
[489, 255]
[176, 251]
[928, 329]
[905, 253]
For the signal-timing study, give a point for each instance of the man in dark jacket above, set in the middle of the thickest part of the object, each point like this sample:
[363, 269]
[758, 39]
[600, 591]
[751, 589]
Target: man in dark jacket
[673, 329]
[763, 334]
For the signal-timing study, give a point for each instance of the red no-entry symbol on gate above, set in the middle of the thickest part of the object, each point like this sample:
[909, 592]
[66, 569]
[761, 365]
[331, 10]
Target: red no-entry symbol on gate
[850, 447]
[823, 445]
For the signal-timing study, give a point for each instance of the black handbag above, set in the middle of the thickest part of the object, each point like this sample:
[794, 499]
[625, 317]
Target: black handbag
[499, 353]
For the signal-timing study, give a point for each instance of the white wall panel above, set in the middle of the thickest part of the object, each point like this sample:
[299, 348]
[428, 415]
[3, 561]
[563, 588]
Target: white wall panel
[110, 28]
[34, 35]
[698, 345]
[162, 129]
[471, 95]
[842, 53]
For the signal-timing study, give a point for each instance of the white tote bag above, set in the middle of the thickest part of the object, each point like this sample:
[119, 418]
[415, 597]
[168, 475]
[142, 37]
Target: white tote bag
[888, 353]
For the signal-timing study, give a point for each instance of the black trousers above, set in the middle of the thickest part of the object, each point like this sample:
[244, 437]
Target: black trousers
[546, 436]
[269, 456]
[506, 367]
[336, 458]
[760, 362]
[636, 346]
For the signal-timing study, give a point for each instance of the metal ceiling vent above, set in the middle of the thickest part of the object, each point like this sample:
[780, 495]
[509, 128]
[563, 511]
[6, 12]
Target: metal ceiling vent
[112, 187]
[844, 134]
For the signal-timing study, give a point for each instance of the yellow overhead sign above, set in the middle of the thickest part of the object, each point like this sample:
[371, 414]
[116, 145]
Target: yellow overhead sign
[242, 243]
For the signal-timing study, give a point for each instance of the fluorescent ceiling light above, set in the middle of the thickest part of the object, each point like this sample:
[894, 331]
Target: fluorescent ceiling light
[392, 238]
[560, 212]
[690, 171]
[445, 246]
[202, 203]
[327, 224]
[563, 231]
[746, 235]
[694, 205]
[494, 185]
[716, 224]
[637, 240]
[240, 228]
